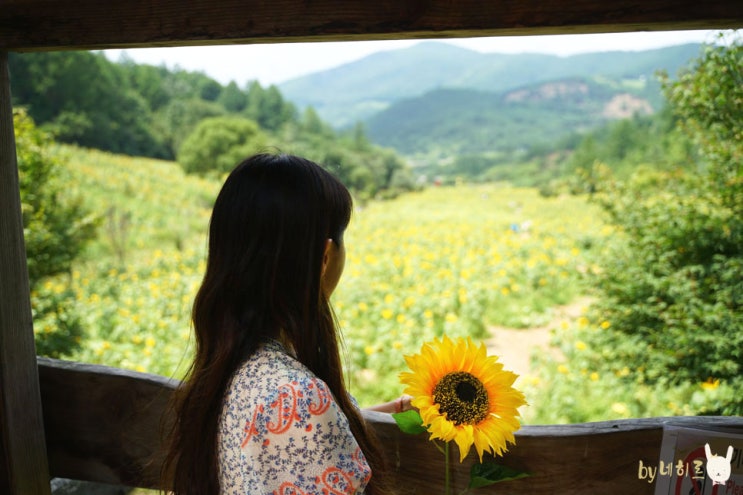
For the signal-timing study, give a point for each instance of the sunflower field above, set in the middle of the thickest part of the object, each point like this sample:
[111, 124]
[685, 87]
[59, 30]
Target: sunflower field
[443, 261]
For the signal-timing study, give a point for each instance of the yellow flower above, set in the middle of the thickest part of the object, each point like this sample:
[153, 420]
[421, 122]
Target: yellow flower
[464, 395]
[620, 408]
[710, 384]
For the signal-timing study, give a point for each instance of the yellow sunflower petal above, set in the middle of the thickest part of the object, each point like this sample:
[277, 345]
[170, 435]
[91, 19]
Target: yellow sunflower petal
[464, 439]
[443, 429]
[482, 442]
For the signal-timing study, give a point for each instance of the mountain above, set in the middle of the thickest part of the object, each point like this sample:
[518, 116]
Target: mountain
[447, 122]
[356, 91]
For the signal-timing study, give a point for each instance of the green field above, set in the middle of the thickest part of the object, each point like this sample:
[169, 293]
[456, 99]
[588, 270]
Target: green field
[453, 260]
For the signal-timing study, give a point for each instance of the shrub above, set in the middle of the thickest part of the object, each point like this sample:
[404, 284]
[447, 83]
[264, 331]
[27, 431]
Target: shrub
[217, 144]
[672, 285]
[56, 227]
[56, 224]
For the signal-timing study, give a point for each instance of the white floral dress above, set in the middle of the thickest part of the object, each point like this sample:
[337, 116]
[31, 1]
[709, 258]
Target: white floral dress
[282, 433]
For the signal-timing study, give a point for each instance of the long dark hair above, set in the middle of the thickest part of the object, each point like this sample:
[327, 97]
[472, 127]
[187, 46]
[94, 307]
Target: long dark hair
[267, 236]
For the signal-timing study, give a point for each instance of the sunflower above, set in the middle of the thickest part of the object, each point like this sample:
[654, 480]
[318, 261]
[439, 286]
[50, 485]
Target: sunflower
[464, 395]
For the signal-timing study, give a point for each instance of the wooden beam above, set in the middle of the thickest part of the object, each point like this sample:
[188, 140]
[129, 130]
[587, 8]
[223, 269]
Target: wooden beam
[23, 463]
[105, 425]
[96, 24]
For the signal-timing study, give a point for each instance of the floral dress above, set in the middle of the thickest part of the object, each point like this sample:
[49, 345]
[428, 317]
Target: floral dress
[282, 433]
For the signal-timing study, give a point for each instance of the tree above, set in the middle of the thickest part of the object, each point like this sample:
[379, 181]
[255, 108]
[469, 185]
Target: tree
[210, 90]
[709, 101]
[232, 98]
[312, 124]
[56, 227]
[672, 284]
[149, 81]
[268, 108]
[217, 144]
[180, 117]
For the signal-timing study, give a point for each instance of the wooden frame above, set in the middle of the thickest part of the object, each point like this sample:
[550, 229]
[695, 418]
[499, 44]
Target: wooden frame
[32, 25]
[87, 24]
[22, 450]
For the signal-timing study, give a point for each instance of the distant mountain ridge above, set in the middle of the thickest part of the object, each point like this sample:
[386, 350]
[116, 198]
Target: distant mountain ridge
[358, 90]
[448, 122]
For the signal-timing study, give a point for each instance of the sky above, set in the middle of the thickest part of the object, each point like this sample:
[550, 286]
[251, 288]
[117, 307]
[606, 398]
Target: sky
[276, 63]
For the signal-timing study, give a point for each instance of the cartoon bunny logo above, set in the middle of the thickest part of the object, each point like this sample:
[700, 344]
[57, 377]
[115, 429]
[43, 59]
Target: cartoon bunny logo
[718, 467]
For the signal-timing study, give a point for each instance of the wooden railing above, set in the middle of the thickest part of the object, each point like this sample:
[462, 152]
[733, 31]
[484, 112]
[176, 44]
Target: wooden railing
[104, 425]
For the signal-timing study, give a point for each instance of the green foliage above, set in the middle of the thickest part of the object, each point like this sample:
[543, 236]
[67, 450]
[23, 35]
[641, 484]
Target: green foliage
[312, 124]
[626, 144]
[268, 108]
[84, 99]
[56, 224]
[130, 283]
[218, 144]
[448, 122]
[145, 110]
[176, 120]
[409, 422]
[56, 227]
[368, 170]
[233, 99]
[671, 286]
[580, 387]
[709, 100]
[489, 473]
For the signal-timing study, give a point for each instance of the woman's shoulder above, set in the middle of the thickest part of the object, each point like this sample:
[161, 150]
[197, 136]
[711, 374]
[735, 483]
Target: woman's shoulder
[268, 368]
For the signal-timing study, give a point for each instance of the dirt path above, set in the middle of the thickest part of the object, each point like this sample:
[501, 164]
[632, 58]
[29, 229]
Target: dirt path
[515, 346]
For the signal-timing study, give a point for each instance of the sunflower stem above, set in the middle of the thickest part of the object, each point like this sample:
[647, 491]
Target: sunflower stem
[447, 473]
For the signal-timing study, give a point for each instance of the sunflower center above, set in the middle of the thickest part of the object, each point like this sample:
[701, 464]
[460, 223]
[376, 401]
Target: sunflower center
[462, 397]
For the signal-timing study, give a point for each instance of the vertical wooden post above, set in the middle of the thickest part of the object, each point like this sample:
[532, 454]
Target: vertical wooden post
[24, 469]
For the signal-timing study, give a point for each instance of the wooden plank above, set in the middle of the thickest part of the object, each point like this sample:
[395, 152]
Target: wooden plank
[95, 24]
[23, 464]
[580, 459]
[104, 425]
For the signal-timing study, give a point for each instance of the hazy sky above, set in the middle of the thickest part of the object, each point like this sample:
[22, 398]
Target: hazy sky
[275, 63]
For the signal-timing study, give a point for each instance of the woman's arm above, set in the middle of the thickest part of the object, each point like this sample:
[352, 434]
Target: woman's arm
[401, 404]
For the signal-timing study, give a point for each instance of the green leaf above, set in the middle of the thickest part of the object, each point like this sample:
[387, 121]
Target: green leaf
[488, 473]
[409, 422]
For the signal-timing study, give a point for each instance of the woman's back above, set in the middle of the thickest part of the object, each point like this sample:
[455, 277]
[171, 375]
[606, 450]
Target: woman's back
[281, 431]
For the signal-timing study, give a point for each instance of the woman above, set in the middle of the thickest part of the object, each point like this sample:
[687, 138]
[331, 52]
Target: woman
[264, 409]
